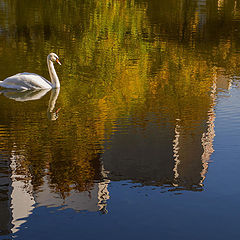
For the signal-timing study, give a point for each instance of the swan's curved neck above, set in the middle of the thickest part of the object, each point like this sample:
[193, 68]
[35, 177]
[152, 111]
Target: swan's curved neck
[53, 75]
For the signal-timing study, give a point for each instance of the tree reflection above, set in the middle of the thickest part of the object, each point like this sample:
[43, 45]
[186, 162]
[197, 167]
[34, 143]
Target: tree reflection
[145, 68]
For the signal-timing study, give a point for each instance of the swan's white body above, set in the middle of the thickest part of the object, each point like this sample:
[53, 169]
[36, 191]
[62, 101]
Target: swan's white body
[26, 81]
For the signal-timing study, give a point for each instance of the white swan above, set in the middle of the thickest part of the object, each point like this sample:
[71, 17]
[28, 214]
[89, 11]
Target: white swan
[26, 81]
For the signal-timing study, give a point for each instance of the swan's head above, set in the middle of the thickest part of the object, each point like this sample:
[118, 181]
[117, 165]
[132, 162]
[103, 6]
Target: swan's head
[54, 58]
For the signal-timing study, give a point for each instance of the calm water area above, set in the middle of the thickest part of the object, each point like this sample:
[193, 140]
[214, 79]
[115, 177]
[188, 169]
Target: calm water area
[142, 140]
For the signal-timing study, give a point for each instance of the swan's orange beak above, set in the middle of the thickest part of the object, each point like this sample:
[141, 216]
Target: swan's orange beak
[57, 60]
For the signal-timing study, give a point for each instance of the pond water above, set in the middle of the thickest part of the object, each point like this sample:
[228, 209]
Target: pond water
[142, 140]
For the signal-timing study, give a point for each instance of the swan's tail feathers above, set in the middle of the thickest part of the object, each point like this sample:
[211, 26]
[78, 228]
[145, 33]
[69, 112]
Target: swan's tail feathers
[1, 87]
[1, 84]
[11, 86]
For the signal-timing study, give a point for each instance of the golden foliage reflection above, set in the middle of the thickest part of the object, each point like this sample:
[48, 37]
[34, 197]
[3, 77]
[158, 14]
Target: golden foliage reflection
[122, 59]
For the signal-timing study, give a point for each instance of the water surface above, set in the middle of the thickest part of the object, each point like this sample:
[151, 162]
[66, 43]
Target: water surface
[142, 139]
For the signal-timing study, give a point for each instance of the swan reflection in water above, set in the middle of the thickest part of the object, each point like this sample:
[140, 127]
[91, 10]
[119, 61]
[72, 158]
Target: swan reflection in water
[31, 95]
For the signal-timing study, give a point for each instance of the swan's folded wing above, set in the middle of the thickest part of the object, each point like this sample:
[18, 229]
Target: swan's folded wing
[26, 80]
